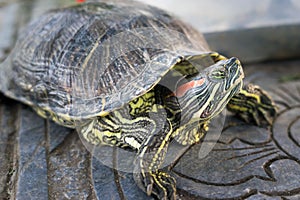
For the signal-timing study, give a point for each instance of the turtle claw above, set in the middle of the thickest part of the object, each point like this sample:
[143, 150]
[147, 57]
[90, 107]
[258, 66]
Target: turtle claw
[253, 105]
[149, 189]
[159, 184]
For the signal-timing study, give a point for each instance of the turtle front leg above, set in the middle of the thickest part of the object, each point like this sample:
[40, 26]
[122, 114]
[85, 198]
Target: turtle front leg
[148, 173]
[253, 104]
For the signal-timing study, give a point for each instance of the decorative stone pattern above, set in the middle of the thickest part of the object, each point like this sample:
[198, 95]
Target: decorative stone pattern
[249, 161]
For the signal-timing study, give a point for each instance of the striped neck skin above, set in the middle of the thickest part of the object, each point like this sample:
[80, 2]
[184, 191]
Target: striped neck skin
[205, 95]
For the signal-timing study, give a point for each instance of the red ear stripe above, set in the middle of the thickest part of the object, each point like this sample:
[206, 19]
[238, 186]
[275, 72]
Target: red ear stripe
[181, 90]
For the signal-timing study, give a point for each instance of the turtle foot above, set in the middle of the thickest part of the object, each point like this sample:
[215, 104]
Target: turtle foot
[160, 185]
[253, 105]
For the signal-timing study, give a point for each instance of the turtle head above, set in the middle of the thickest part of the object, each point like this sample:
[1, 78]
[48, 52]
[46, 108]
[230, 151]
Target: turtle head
[206, 94]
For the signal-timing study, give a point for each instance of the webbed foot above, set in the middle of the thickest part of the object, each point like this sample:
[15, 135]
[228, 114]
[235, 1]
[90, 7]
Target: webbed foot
[253, 105]
[159, 184]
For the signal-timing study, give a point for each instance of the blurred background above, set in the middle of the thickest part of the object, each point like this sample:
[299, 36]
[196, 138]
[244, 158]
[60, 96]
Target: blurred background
[221, 15]
[255, 30]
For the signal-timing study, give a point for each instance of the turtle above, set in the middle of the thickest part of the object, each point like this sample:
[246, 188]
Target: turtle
[129, 75]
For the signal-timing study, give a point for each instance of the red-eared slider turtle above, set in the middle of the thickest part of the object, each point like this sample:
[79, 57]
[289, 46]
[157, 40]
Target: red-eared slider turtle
[129, 75]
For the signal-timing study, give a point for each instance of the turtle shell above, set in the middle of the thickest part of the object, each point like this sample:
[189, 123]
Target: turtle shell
[89, 59]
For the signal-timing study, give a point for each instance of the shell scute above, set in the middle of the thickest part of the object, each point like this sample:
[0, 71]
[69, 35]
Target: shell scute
[93, 58]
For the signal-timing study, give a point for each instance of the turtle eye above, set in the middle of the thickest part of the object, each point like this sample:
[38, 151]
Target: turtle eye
[219, 74]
